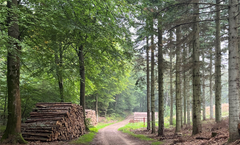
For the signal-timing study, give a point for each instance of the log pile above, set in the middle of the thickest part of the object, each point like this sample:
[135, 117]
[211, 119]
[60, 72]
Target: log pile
[54, 122]
[92, 115]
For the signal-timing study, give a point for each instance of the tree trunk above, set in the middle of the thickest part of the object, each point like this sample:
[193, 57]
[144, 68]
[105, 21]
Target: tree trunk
[218, 87]
[197, 127]
[148, 89]
[203, 88]
[188, 98]
[59, 72]
[160, 82]
[188, 104]
[96, 106]
[184, 86]
[5, 109]
[180, 71]
[171, 90]
[152, 85]
[12, 133]
[178, 83]
[233, 72]
[60, 82]
[82, 81]
[210, 88]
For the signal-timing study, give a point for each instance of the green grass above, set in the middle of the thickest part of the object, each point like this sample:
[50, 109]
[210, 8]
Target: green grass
[87, 138]
[132, 126]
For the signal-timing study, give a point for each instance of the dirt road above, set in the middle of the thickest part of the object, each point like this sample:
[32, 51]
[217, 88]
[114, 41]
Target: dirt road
[111, 136]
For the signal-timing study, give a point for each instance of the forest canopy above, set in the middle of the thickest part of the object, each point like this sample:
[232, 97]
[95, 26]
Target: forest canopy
[118, 56]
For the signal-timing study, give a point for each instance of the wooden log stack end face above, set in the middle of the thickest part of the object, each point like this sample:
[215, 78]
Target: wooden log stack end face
[91, 114]
[54, 122]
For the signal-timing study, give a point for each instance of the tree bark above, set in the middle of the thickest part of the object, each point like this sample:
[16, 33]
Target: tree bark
[184, 86]
[210, 87]
[12, 133]
[188, 104]
[178, 83]
[203, 88]
[60, 82]
[197, 127]
[218, 87]
[188, 99]
[96, 106]
[160, 82]
[148, 89]
[58, 62]
[82, 81]
[5, 109]
[152, 85]
[233, 71]
[171, 90]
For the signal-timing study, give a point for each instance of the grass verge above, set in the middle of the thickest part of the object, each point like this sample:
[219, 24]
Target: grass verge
[87, 138]
[132, 126]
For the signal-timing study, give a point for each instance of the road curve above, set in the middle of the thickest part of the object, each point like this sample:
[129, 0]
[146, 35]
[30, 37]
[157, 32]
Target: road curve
[111, 136]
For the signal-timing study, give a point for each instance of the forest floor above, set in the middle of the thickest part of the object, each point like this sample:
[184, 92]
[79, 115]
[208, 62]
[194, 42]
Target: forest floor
[111, 136]
[108, 135]
[209, 127]
[186, 138]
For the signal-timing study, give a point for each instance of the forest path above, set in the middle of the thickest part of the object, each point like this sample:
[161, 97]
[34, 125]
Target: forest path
[111, 136]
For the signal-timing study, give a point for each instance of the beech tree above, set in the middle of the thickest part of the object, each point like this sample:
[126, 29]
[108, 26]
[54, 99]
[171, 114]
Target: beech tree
[12, 133]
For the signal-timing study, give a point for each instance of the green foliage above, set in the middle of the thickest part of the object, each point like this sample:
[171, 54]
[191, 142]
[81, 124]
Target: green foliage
[88, 122]
[53, 29]
[114, 116]
[2, 128]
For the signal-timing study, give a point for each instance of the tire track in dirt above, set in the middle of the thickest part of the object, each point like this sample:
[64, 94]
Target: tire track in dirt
[111, 136]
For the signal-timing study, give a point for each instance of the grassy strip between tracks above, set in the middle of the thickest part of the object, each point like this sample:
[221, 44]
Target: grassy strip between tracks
[87, 138]
[132, 126]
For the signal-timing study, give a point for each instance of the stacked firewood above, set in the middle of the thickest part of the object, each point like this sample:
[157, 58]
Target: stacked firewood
[92, 115]
[54, 121]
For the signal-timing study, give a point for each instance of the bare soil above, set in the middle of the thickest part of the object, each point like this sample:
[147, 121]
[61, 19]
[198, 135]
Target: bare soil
[111, 136]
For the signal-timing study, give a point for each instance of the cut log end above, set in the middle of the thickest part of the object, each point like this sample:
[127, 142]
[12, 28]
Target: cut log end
[54, 122]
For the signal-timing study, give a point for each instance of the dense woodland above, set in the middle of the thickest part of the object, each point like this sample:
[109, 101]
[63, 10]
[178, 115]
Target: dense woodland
[174, 57]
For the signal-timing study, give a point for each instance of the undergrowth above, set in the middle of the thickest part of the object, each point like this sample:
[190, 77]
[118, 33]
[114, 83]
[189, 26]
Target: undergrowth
[2, 128]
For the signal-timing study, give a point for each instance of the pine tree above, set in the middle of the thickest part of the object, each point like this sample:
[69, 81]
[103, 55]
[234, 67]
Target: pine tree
[233, 71]
[218, 86]
[197, 128]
